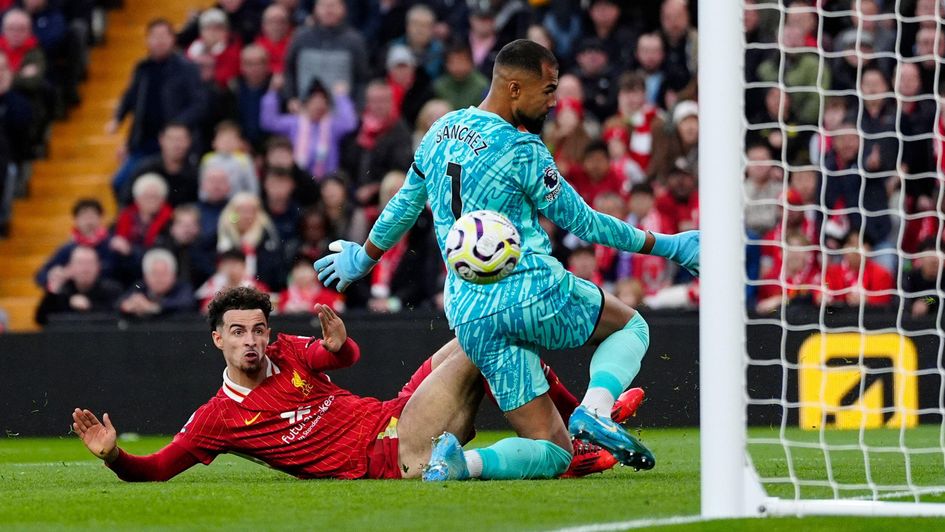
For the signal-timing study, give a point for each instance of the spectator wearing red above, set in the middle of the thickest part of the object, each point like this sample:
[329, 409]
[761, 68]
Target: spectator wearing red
[383, 143]
[408, 275]
[595, 176]
[612, 204]
[139, 224]
[275, 37]
[848, 285]
[799, 221]
[18, 43]
[679, 201]
[410, 86]
[303, 292]
[796, 279]
[243, 17]
[88, 229]
[802, 15]
[927, 226]
[653, 273]
[567, 138]
[215, 40]
[28, 64]
[638, 121]
[231, 272]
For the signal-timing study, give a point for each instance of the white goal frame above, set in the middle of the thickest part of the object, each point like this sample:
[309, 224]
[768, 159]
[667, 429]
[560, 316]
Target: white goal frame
[729, 484]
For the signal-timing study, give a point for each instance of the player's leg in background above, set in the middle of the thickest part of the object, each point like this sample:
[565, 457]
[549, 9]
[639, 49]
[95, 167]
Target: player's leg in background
[446, 400]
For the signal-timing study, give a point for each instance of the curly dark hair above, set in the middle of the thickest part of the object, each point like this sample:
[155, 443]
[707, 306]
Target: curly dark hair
[237, 298]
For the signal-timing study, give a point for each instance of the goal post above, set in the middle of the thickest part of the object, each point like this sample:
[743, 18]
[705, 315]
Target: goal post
[815, 454]
[721, 331]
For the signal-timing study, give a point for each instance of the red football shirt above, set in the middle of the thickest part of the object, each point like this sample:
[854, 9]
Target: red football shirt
[296, 420]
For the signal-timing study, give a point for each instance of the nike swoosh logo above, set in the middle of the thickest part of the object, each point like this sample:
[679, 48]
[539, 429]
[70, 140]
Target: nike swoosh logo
[249, 422]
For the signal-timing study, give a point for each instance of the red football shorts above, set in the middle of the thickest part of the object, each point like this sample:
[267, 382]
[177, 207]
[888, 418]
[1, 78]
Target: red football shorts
[383, 457]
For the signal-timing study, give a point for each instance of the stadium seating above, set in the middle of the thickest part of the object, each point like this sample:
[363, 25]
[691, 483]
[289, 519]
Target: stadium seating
[81, 160]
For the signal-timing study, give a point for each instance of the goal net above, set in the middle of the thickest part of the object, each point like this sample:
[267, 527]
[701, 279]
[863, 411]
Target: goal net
[821, 172]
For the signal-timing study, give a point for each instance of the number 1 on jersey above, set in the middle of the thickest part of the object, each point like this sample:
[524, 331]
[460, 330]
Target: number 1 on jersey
[455, 172]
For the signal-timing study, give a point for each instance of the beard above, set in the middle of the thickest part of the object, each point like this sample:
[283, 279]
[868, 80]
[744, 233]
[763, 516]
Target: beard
[532, 124]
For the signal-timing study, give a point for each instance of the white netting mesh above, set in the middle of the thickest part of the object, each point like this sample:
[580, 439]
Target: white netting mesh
[845, 213]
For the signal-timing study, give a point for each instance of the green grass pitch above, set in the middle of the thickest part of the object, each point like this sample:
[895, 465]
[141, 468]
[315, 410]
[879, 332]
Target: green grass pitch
[55, 484]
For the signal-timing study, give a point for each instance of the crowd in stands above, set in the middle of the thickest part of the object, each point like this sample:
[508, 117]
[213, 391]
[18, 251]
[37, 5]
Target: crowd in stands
[262, 131]
[43, 57]
[845, 199]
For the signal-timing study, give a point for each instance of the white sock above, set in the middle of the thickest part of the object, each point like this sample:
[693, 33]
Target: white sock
[599, 400]
[473, 463]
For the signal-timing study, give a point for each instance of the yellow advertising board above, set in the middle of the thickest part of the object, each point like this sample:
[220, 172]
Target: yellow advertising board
[853, 380]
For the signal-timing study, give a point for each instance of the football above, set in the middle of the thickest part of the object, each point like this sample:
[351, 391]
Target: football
[483, 247]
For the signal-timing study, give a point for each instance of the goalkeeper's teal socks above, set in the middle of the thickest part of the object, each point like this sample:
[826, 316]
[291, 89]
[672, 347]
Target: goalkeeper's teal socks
[518, 459]
[615, 364]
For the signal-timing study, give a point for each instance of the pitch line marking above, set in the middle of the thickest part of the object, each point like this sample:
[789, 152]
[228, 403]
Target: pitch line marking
[636, 523]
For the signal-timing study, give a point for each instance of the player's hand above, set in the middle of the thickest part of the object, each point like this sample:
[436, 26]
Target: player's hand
[333, 329]
[98, 438]
[681, 248]
[349, 264]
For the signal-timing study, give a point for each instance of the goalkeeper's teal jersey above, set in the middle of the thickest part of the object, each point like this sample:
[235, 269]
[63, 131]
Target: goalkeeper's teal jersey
[472, 159]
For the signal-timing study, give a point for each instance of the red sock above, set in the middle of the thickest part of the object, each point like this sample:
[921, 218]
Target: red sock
[563, 399]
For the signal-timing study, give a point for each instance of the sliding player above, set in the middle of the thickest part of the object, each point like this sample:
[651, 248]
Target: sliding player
[491, 158]
[277, 405]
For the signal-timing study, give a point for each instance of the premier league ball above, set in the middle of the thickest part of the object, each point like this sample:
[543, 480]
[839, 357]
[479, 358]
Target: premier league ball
[483, 247]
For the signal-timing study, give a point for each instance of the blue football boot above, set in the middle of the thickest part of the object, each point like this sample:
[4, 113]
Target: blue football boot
[447, 461]
[587, 426]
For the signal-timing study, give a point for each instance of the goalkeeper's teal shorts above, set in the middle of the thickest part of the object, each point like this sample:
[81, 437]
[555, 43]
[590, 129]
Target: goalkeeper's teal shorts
[504, 346]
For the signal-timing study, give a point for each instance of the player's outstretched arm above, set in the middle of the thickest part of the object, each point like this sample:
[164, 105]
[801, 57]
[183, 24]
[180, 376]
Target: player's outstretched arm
[353, 261]
[101, 439]
[558, 200]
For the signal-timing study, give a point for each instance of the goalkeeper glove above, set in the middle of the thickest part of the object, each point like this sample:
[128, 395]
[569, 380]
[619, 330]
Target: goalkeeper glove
[682, 248]
[348, 265]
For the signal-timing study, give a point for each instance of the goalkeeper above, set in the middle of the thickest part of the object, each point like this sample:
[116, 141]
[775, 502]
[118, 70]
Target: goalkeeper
[491, 158]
